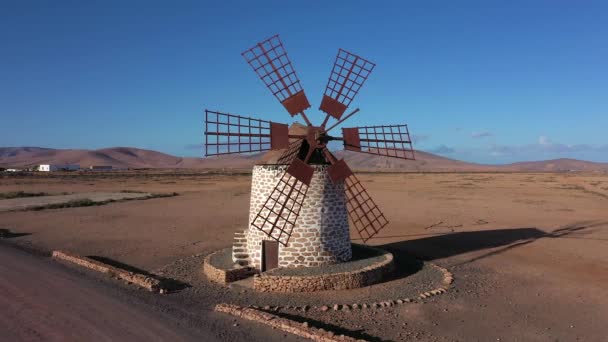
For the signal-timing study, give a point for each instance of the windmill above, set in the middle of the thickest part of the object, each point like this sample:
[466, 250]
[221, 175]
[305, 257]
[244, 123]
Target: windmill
[281, 190]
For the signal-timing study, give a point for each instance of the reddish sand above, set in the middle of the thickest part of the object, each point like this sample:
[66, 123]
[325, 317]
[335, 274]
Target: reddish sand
[528, 251]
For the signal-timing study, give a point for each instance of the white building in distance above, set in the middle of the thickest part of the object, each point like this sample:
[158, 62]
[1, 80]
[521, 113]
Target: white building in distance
[58, 167]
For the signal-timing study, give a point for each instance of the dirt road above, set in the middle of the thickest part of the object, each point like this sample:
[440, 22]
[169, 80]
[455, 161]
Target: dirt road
[42, 300]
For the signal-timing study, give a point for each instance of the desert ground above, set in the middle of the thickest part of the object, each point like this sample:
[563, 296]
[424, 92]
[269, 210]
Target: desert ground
[529, 251]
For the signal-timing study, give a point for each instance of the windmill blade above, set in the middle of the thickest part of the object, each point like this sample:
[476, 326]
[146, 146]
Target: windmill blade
[290, 153]
[338, 171]
[345, 80]
[390, 141]
[269, 60]
[365, 215]
[228, 134]
[278, 215]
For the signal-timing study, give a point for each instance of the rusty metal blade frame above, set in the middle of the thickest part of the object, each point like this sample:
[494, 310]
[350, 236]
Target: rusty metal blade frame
[339, 171]
[228, 134]
[271, 63]
[301, 171]
[279, 136]
[388, 140]
[347, 76]
[365, 215]
[340, 121]
[291, 152]
[280, 211]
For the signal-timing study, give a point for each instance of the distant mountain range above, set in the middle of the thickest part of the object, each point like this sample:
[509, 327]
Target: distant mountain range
[129, 157]
[117, 157]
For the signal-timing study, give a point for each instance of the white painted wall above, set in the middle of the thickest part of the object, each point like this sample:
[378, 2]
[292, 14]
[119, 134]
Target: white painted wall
[58, 167]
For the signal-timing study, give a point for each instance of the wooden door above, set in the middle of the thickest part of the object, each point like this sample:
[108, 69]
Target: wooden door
[270, 255]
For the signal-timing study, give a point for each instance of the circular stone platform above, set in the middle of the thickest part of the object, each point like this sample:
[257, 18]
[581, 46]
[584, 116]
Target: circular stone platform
[220, 268]
[410, 279]
[368, 266]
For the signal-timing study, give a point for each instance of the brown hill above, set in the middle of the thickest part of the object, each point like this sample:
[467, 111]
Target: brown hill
[429, 162]
[424, 162]
[557, 165]
[117, 157]
[128, 157]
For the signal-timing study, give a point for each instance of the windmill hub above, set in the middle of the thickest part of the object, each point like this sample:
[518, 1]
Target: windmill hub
[300, 207]
[317, 137]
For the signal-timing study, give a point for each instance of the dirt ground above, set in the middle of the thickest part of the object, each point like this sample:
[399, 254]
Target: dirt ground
[529, 252]
[40, 202]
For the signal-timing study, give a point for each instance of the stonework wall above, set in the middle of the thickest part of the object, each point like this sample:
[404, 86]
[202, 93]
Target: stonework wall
[321, 234]
[138, 279]
[284, 324]
[367, 276]
[221, 275]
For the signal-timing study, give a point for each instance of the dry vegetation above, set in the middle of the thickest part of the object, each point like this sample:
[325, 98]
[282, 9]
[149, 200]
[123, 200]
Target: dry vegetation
[528, 250]
[21, 194]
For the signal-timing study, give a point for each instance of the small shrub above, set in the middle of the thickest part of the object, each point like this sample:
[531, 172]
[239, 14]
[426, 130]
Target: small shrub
[85, 202]
[20, 194]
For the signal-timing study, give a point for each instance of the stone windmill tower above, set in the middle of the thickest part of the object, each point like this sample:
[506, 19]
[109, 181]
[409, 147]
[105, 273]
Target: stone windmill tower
[302, 197]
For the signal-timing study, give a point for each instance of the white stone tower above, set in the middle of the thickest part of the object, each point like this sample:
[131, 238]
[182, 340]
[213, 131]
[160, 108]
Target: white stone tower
[320, 235]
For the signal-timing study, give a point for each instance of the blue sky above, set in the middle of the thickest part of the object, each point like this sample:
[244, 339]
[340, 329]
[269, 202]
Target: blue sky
[482, 81]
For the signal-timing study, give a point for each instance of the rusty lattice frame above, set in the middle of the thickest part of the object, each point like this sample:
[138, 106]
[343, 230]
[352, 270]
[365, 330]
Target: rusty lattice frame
[362, 210]
[291, 152]
[272, 65]
[279, 213]
[347, 76]
[229, 133]
[390, 140]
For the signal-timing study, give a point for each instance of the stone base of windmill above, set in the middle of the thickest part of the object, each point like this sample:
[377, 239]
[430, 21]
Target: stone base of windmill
[321, 233]
[316, 254]
[368, 266]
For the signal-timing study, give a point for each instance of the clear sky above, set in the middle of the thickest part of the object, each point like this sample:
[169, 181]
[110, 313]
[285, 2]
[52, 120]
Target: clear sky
[483, 81]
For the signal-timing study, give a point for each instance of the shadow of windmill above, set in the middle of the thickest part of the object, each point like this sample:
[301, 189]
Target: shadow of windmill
[172, 285]
[496, 241]
[8, 234]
